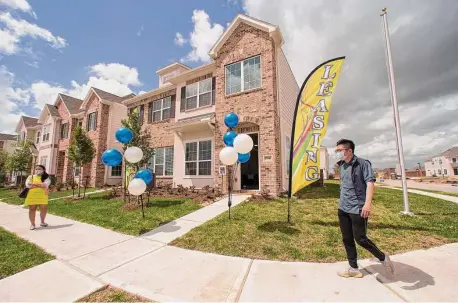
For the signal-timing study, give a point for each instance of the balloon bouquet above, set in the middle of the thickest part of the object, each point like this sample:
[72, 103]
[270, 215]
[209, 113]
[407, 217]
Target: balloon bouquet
[237, 150]
[113, 157]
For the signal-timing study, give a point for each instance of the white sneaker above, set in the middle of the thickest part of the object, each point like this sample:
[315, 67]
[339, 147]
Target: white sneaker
[389, 266]
[351, 272]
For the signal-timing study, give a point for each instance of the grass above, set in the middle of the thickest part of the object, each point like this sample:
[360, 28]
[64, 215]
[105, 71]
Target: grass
[259, 229]
[11, 195]
[98, 209]
[17, 254]
[428, 190]
[112, 294]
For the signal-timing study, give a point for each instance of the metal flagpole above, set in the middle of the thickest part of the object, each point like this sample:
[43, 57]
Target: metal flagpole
[396, 113]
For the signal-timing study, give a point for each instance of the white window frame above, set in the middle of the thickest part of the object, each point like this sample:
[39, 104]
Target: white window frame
[111, 171]
[46, 130]
[287, 153]
[61, 130]
[242, 76]
[198, 93]
[93, 124]
[161, 110]
[37, 139]
[152, 164]
[197, 161]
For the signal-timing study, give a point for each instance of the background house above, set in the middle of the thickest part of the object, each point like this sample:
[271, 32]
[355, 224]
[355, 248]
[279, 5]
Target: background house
[8, 142]
[444, 164]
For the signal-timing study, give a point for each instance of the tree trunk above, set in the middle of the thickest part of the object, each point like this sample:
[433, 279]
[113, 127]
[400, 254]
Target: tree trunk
[79, 183]
[123, 181]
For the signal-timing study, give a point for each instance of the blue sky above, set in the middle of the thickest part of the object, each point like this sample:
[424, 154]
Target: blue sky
[137, 34]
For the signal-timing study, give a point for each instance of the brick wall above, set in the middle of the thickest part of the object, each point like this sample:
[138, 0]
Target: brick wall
[259, 104]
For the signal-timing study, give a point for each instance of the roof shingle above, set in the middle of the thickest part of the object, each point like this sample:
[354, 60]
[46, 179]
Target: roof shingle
[52, 110]
[8, 137]
[73, 104]
[29, 121]
[108, 96]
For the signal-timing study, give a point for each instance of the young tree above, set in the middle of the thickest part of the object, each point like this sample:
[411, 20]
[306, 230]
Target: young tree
[21, 159]
[81, 151]
[141, 139]
[3, 166]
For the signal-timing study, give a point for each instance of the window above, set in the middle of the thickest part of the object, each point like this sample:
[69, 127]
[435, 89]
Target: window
[445, 171]
[162, 161]
[287, 153]
[453, 160]
[1, 144]
[116, 171]
[439, 172]
[244, 75]
[91, 122]
[64, 131]
[160, 109]
[199, 94]
[198, 158]
[38, 137]
[455, 171]
[76, 171]
[46, 133]
[80, 123]
[43, 161]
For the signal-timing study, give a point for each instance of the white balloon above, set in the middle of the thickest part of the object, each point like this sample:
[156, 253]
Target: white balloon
[243, 143]
[137, 187]
[228, 155]
[133, 154]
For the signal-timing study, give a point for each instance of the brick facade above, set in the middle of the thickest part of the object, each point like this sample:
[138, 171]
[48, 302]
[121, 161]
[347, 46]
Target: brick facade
[259, 105]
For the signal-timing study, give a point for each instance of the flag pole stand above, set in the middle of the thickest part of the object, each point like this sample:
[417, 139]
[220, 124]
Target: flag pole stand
[397, 123]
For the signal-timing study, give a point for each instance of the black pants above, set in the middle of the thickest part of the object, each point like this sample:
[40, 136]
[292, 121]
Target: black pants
[354, 228]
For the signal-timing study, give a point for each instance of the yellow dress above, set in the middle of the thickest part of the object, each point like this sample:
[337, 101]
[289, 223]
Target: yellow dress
[36, 196]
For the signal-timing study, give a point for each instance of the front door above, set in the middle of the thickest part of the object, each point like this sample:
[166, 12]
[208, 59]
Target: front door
[249, 171]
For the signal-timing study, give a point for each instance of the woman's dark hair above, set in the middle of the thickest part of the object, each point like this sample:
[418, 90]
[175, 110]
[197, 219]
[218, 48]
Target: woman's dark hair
[45, 175]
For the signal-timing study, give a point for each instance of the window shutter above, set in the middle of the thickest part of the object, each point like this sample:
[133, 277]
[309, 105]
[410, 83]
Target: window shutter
[183, 99]
[172, 107]
[213, 90]
[142, 113]
[150, 112]
[87, 122]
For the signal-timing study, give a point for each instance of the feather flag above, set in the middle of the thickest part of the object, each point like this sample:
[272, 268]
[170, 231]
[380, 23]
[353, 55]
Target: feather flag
[310, 123]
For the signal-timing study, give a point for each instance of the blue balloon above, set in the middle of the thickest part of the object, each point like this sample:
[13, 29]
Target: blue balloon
[229, 137]
[243, 158]
[231, 120]
[112, 157]
[145, 174]
[124, 135]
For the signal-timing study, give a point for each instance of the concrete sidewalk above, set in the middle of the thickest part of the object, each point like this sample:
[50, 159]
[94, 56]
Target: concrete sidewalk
[89, 257]
[425, 193]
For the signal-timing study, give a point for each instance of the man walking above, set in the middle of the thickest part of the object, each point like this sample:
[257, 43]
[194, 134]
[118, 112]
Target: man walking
[356, 191]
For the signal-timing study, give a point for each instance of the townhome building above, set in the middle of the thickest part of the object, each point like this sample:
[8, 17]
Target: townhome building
[101, 115]
[444, 164]
[8, 142]
[29, 129]
[248, 75]
[46, 142]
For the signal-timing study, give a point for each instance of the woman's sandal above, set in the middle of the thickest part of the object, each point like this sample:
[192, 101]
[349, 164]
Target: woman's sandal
[32, 227]
[44, 224]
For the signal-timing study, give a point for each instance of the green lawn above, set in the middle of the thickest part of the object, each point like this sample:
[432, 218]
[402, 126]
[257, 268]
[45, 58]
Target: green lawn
[259, 229]
[11, 195]
[17, 254]
[99, 210]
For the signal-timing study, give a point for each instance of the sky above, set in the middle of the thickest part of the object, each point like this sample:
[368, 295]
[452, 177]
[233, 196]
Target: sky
[47, 47]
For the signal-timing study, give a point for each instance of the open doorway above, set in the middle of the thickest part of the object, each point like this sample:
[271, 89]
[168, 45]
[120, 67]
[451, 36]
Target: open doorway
[249, 171]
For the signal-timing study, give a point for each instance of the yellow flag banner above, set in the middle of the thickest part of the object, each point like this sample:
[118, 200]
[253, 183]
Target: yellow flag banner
[310, 123]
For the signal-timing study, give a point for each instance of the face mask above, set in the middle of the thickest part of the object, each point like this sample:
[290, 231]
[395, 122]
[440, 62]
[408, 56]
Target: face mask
[38, 172]
[339, 155]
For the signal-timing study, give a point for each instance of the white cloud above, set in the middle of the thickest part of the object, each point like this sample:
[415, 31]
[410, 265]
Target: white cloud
[202, 37]
[140, 31]
[179, 39]
[10, 99]
[22, 5]
[33, 64]
[17, 28]
[118, 72]
[44, 93]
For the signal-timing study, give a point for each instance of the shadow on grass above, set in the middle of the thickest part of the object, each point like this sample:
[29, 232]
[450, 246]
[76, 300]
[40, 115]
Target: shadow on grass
[281, 226]
[164, 203]
[374, 226]
[404, 273]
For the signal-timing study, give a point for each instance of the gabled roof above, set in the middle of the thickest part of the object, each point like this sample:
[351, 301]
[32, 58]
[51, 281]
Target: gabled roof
[52, 110]
[72, 104]
[450, 153]
[8, 137]
[273, 30]
[27, 121]
[103, 95]
[170, 67]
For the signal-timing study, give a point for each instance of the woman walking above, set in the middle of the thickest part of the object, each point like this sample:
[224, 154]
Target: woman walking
[38, 185]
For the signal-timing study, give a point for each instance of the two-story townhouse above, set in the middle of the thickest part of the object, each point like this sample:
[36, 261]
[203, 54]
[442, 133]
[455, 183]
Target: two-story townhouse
[29, 129]
[101, 117]
[8, 142]
[249, 75]
[47, 142]
[71, 116]
[444, 164]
